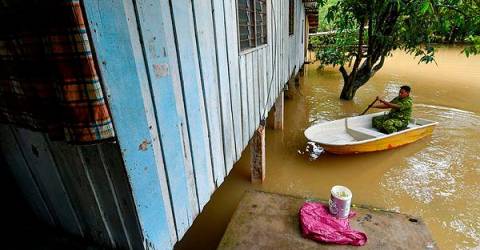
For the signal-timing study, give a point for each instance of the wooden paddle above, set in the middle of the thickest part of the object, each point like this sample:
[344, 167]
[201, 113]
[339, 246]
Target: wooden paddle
[369, 106]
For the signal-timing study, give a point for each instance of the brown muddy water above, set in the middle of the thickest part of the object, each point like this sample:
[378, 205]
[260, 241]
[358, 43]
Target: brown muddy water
[437, 178]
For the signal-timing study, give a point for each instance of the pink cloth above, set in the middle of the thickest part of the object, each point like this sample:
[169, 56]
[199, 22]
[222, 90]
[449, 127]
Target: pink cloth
[318, 224]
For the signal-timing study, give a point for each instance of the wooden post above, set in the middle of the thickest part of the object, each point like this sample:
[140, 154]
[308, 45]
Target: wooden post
[257, 151]
[278, 115]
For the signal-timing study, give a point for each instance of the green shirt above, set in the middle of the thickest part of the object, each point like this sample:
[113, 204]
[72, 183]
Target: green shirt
[404, 112]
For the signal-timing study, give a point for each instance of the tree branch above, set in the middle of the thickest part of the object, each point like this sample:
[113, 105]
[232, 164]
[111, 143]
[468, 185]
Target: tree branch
[370, 33]
[358, 59]
[344, 72]
[351, 53]
[379, 65]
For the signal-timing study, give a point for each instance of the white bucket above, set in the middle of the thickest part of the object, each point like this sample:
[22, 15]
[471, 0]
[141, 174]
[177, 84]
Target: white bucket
[340, 200]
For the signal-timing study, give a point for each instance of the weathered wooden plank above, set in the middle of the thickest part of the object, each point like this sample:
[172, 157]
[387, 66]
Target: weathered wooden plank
[301, 36]
[103, 193]
[244, 101]
[270, 68]
[224, 84]
[299, 41]
[169, 119]
[10, 150]
[205, 33]
[284, 37]
[304, 41]
[277, 51]
[280, 48]
[266, 84]
[261, 82]
[112, 161]
[36, 152]
[78, 184]
[255, 88]
[250, 94]
[114, 33]
[234, 74]
[200, 158]
[192, 87]
[298, 35]
[285, 55]
[176, 156]
[290, 39]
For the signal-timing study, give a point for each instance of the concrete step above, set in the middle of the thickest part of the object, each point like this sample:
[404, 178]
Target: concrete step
[270, 221]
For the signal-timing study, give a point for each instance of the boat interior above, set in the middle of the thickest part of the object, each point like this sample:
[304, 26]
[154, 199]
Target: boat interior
[362, 131]
[353, 129]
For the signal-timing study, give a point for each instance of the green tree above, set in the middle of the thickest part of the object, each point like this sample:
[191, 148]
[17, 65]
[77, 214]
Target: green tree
[367, 31]
[458, 22]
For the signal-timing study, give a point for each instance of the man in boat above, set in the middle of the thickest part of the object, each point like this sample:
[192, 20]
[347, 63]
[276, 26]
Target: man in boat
[399, 115]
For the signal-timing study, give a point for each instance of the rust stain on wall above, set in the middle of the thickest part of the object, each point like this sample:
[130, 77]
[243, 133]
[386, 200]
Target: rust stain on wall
[144, 145]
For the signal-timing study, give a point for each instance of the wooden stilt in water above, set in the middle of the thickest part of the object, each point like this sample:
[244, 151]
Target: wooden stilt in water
[257, 150]
[278, 115]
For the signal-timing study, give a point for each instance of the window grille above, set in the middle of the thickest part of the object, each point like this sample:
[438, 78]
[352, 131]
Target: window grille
[252, 23]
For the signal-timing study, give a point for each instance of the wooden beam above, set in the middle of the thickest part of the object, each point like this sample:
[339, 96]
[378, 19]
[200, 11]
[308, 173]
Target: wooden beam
[279, 110]
[257, 150]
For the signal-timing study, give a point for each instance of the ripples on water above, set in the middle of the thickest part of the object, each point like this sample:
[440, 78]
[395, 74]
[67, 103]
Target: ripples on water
[438, 180]
[313, 150]
[446, 172]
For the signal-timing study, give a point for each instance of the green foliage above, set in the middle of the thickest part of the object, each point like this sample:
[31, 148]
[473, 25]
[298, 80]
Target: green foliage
[473, 47]
[364, 32]
[323, 7]
[410, 25]
[457, 20]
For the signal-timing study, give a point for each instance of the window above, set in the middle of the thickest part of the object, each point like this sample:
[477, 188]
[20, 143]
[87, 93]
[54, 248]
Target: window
[291, 16]
[252, 23]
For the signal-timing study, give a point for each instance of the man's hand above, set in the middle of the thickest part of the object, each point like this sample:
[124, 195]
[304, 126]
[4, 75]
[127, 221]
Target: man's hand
[381, 105]
[388, 104]
[384, 104]
[380, 99]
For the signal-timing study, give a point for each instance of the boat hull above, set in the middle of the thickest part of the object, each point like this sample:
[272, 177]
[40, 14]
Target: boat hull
[385, 143]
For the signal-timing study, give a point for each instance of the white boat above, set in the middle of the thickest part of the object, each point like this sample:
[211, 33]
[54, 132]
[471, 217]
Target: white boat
[356, 135]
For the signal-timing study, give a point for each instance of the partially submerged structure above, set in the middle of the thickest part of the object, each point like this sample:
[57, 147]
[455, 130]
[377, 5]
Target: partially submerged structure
[187, 84]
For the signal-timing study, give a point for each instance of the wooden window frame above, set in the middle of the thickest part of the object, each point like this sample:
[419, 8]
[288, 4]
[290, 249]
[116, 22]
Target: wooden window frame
[257, 34]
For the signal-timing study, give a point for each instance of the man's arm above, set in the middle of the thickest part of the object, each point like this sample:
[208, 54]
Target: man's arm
[384, 104]
[380, 106]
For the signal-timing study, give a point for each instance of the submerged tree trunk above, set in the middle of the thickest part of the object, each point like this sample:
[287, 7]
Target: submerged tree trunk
[348, 90]
[351, 85]
[358, 77]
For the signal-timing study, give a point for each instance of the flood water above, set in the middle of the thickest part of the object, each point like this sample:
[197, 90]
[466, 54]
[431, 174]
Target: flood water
[436, 178]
